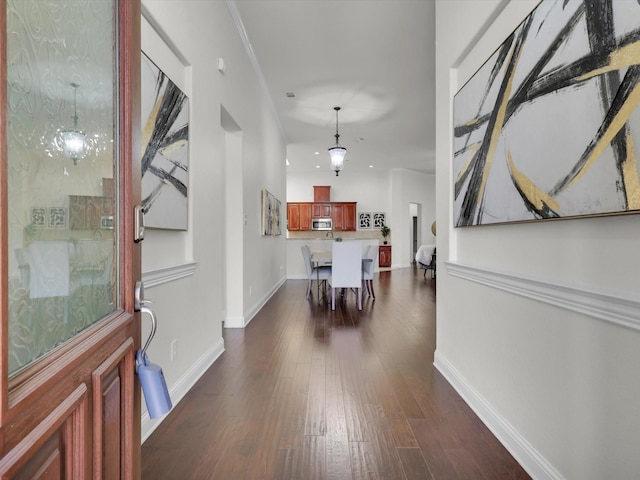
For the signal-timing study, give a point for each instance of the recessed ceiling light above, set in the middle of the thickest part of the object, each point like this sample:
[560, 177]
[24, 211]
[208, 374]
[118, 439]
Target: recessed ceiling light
[317, 166]
[317, 153]
[370, 166]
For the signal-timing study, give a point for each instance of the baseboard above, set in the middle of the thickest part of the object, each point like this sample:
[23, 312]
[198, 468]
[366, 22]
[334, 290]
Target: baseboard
[234, 322]
[527, 456]
[297, 276]
[241, 322]
[179, 389]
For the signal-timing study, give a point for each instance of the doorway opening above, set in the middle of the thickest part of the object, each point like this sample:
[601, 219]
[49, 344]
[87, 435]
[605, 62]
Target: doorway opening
[415, 212]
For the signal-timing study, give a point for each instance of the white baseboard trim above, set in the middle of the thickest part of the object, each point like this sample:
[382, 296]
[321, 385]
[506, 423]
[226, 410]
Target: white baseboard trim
[179, 389]
[241, 322]
[297, 276]
[527, 456]
[153, 278]
[234, 322]
[614, 307]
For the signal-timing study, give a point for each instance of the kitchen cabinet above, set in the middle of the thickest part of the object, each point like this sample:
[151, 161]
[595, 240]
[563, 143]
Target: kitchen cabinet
[344, 216]
[321, 193]
[90, 213]
[384, 256]
[299, 216]
[322, 210]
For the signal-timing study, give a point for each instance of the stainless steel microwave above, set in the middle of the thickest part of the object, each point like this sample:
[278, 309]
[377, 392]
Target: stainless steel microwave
[321, 224]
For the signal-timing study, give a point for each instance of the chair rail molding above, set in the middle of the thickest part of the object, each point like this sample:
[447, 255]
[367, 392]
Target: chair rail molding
[621, 309]
[153, 278]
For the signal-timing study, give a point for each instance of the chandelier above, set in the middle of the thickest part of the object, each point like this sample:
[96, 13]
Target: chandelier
[337, 153]
[74, 141]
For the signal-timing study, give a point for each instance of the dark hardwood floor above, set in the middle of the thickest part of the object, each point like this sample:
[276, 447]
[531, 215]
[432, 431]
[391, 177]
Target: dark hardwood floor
[306, 393]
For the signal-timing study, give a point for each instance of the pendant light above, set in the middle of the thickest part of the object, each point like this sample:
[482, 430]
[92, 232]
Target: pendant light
[337, 153]
[74, 141]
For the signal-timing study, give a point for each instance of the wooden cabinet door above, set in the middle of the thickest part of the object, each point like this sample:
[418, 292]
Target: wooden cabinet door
[344, 216]
[293, 217]
[69, 398]
[298, 216]
[349, 217]
[338, 217]
[322, 210]
[305, 216]
[384, 256]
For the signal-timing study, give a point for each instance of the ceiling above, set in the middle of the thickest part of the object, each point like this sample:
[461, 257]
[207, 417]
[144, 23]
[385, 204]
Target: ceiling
[373, 58]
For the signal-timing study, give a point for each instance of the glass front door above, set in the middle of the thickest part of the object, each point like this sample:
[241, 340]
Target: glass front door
[61, 168]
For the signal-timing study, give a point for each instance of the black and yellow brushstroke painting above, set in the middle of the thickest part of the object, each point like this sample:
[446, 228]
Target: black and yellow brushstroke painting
[165, 159]
[546, 128]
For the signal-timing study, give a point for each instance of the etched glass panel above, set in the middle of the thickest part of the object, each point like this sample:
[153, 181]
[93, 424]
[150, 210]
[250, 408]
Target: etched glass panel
[61, 166]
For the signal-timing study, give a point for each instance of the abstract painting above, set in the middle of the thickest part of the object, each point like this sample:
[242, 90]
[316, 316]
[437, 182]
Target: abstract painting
[270, 214]
[364, 220]
[39, 217]
[165, 153]
[547, 127]
[378, 220]
[57, 217]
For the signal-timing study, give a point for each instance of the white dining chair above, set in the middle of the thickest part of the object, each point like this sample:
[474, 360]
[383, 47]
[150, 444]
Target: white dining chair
[368, 267]
[346, 270]
[320, 273]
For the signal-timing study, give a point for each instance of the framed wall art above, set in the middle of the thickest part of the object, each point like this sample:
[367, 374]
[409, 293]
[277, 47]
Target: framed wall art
[165, 159]
[378, 220]
[57, 217]
[271, 220]
[548, 127]
[364, 220]
[39, 217]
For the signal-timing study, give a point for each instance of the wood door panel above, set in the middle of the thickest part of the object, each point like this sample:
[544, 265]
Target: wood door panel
[47, 463]
[112, 404]
[58, 440]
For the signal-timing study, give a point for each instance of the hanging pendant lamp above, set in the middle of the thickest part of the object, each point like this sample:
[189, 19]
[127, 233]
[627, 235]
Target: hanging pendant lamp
[74, 141]
[337, 153]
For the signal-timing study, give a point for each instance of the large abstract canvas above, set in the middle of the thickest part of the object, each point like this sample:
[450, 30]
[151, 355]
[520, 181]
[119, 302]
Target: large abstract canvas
[165, 158]
[549, 126]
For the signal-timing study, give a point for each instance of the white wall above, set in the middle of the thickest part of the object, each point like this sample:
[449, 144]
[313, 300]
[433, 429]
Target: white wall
[185, 271]
[537, 323]
[390, 192]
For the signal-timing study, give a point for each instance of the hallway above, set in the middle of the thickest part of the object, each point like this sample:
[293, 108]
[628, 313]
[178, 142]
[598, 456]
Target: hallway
[305, 393]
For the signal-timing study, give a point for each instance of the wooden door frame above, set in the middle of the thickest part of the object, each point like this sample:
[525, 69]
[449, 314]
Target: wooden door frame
[37, 380]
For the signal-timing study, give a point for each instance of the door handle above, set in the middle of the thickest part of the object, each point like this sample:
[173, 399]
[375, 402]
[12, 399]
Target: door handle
[142, 306]
[138, 227]
[154, 386]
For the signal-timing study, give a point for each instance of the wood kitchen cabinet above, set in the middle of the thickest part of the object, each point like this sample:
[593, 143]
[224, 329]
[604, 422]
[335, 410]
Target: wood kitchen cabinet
[321, 193]
[90, 212]
[344, 216]
[384, 256]
[321, 210]
[299, 216]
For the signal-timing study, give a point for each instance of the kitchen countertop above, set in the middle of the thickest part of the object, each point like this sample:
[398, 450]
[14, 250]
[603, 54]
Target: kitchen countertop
[373, 234]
